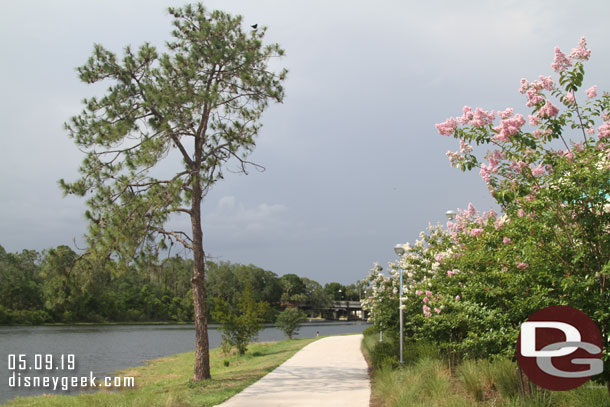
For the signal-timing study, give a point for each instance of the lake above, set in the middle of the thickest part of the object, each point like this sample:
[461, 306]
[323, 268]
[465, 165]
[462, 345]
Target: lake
[103, 349]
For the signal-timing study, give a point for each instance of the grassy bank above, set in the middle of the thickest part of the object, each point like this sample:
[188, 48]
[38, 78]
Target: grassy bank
[167, 381]
[426, 380]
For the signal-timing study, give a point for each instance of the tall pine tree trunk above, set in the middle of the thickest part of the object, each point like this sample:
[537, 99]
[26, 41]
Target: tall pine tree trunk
[202, 345]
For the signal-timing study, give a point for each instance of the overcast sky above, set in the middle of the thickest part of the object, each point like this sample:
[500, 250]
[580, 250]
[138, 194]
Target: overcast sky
[353, 162]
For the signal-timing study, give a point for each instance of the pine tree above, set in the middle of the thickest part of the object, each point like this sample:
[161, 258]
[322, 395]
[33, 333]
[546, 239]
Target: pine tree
[195, 107]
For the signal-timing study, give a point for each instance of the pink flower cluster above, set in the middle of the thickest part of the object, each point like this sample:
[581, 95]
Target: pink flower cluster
[479, 118]
[548, 110]
[518, 166]
[591, 92]
[447, 127]
[476, 232]
[508, 127]
[486, 171]
[562, 62]
[454, 158]
[604, 131]
[522, 266]
[426, 309]
[532, 90]
[499, 223]
[465, 148]
[581, 52]
[537, 171]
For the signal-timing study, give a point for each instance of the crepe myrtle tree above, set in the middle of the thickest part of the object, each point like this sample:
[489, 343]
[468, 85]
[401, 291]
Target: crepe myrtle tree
[201, 100]
[552, 181]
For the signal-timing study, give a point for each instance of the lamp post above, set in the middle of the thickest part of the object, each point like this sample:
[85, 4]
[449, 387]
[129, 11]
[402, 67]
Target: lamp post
[399, 250]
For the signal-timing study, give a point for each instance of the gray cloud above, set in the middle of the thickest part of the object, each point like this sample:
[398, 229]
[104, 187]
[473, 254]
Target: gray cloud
[353, 162]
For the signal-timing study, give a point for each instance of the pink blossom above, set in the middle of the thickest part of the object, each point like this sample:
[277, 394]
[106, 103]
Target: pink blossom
[548, 110]
[537, 133]
[499, 223]
[454, 158]
[471, 209]
[506, 114]
[591, 92]
[465, 147]
[492, 213]
[539, 170]
[486, 172]
[508, 127]
[522, 266]
[533, 97]
[520, 213]
[457, 298]
[450, 273]
[498, 155]
[518, 166]
[439, 257]
[438, 311]
[507, 240]
[447, 127]
[475, 232]
[547, 82]
[429, 293]
[581, 52]
[524, 85]
[604, 131]
[569, 98]
[426, 300]
[534, 120]
[467, 116]
[419, 292]
[482, 117]
[561, 62]
[426, 310]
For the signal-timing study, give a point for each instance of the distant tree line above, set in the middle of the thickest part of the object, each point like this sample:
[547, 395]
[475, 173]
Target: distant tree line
[52, 287]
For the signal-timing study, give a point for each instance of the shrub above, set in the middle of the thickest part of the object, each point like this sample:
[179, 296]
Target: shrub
[241, 323]
[371, 330]
[289, 320]
[385, 354]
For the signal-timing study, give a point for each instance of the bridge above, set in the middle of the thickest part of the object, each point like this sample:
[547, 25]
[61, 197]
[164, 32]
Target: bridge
[350, 310]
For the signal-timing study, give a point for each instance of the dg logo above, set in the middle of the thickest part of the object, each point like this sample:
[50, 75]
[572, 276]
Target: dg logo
[560, 348]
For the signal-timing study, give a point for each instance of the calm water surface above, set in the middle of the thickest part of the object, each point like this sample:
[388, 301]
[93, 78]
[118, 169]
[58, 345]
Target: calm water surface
[105, 349]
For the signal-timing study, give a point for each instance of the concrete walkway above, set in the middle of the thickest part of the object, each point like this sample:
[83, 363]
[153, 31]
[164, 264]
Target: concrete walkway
[328, 372]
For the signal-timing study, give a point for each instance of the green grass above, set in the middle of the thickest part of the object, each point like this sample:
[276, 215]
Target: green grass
[426, 380]
[167, 381]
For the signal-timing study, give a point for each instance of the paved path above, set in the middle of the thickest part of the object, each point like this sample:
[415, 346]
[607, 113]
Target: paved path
[328, 372]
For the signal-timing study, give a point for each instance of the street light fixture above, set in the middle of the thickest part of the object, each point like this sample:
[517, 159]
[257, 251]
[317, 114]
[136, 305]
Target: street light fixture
[400, 250]
[450, 214]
